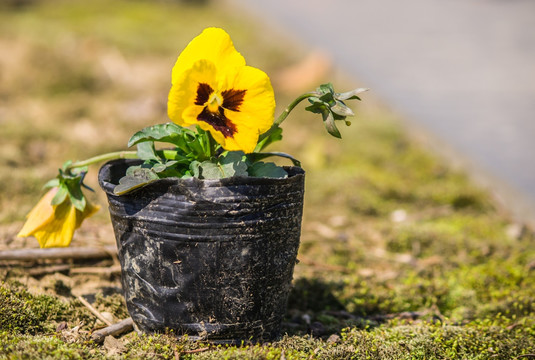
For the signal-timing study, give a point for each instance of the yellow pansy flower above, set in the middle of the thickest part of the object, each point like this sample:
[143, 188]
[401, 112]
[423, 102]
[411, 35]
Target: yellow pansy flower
[213, 88]
[54, 225]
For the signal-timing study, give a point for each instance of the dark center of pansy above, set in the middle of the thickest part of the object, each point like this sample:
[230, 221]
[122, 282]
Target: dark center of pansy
[203, 94]
[232, 99]
[213, 112]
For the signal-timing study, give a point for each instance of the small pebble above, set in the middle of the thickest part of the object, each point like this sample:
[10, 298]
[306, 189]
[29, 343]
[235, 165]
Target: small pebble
[333, 339]
[108, 316]
[398, 216]
[514, 231]
[62, 326]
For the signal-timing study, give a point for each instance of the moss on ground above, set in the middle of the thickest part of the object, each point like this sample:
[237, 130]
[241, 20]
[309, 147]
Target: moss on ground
[401, 256]
[25, 313]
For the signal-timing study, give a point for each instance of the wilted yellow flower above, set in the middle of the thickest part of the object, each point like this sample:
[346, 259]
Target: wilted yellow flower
[54, 225]
[213, 88]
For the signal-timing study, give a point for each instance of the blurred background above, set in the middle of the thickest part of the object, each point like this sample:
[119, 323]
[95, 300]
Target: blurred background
[461, 72]
[78, 79]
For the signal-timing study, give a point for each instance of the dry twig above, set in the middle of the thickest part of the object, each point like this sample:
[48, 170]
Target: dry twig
[113, 270]
[94, 311]
[58, 253]
[119, 328]
[48, 270]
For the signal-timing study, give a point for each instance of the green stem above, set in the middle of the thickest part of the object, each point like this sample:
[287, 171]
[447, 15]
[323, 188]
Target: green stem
[104, 157]
[292, 105]
[167, 154]
[285, 114]
[211, 144]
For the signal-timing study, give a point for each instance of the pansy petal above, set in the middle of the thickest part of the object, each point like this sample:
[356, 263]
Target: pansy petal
[212, 44]
[53, 226]
[184, 91]
[59, 232]
[41, 214]
[259, 100]
[190, 116]
[255, 113]
[246, 136]
[89, 210]
[213, 88]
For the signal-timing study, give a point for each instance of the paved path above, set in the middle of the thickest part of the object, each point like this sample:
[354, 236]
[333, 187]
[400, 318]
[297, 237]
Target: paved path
[464, 70]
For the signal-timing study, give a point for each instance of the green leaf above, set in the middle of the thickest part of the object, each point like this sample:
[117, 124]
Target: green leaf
[275, 135]
[171, 163]
[195, 145]
[326, 88]
[331, 106]
[317, 107]
[350, 95]
[175, 156]
[229, 164]
[168, 132]
[234, 169]
[233, 163]
[75, 193]
[61, 195]
[131, 169]
[51, 183]
[338, 117]
[210, 170]
[328, 99]
[195, 168]
[341, 109]
[328, 121]
[167, 169]
[172, 172]
[137, 178]
[188, 141]
[269, 170]
[146, 151]
[204, 143]
[231, 157]
[187, 175]
[254, 157]
[158, 168]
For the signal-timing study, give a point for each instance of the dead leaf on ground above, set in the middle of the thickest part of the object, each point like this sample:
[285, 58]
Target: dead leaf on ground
[113, 346]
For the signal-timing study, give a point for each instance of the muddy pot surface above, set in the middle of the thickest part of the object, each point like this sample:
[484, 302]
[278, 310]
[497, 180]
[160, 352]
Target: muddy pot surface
[209, 258]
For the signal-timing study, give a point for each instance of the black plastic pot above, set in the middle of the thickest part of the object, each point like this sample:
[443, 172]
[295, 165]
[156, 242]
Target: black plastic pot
[209, 258]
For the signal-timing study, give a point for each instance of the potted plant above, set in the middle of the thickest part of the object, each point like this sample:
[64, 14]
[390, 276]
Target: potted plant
[207, 231]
